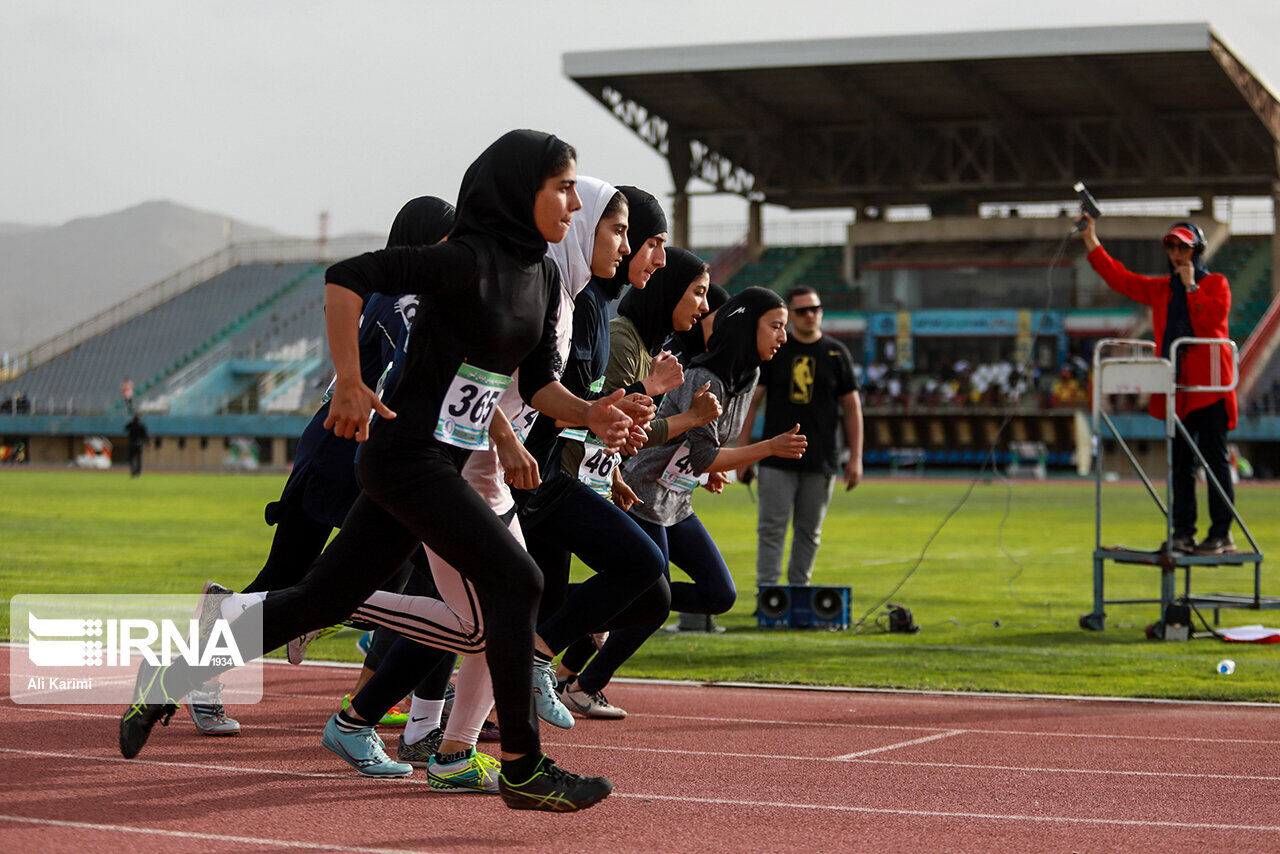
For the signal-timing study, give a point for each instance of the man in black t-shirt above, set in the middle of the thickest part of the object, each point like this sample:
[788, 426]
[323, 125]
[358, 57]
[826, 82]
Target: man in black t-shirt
[810, 382]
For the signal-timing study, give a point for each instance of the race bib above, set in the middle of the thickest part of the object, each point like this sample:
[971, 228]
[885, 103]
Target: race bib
[522, 422]
[596, 470]
[678, 475]
[468, 407]
[579, 434]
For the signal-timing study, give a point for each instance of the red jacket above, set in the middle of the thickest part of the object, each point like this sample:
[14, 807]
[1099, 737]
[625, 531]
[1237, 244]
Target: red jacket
[1209, 306]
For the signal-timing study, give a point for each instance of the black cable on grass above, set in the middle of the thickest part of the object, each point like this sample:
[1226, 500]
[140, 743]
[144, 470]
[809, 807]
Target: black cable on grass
[859, 624]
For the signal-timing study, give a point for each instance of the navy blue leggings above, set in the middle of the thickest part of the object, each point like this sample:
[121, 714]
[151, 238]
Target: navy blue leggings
[625, 588]
[688, 545]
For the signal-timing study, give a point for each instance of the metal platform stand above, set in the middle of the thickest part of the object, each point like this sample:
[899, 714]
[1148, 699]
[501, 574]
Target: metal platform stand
[1140, 371]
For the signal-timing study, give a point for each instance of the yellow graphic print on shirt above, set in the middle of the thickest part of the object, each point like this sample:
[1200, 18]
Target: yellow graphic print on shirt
[802, 379]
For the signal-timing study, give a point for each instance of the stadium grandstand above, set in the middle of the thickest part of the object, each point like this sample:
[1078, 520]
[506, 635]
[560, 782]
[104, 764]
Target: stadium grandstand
[955, 156]
[229, 349]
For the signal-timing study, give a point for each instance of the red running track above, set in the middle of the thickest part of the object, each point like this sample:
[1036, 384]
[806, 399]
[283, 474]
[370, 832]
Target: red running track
[695, 769]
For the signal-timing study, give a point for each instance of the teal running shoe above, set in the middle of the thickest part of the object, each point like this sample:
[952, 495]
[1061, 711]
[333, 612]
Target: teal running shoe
[363, 751]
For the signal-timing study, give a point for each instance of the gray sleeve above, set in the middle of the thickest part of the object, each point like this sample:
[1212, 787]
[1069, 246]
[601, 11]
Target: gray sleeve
[705, 441]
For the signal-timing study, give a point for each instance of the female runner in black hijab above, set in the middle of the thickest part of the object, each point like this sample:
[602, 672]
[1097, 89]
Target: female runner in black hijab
[489, 303]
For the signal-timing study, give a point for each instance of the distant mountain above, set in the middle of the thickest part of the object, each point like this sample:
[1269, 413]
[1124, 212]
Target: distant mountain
[53, 277]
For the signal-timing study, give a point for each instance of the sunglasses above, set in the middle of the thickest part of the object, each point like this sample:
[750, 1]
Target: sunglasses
[807, 309]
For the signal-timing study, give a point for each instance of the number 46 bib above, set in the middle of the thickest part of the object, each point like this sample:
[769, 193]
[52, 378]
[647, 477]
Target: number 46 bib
[468, 407]
[597, 466]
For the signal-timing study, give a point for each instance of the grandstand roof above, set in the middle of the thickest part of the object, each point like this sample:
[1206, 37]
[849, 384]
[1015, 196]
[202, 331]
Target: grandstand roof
[1134, 111]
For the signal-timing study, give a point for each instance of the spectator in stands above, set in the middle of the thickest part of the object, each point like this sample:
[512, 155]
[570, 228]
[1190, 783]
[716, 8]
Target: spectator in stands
[810, 382]
[137, 438]
[1190, 303]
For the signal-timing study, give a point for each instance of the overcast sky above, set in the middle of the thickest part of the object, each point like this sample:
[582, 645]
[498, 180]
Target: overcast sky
[273, 110]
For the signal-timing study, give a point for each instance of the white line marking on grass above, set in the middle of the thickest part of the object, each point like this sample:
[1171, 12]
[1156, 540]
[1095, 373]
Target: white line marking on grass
[211, 837]
[923, 739]
[1052, 819]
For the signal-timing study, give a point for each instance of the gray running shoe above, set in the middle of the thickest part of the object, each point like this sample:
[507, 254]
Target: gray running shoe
[208, 713]
[210, 608]
[589, 705]
[421, 753]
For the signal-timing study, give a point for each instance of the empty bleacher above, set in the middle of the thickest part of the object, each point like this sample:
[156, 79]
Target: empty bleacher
[255, 306]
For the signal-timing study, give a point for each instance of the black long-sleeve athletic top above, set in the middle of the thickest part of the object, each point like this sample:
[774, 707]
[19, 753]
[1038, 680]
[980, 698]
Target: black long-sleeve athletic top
[479, 304]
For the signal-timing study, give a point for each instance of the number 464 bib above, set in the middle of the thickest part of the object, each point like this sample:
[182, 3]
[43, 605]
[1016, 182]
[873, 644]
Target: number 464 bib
[468, 407]
[678, 475]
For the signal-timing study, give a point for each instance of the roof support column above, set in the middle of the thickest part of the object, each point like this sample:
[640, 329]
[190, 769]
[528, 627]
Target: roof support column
[680, 218]
[755, 230]
[1275, 239]
[680, 161]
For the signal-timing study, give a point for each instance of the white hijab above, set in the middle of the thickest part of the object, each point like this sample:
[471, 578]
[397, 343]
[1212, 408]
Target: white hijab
[573, 254]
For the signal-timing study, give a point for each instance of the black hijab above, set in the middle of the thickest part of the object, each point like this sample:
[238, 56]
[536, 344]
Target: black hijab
[732, 354]
[645, 219]
[692, 343]
[650, 308]
[421, 222]
[497, 193]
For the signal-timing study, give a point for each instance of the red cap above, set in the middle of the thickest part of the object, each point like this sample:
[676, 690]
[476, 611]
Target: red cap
[1179, 234]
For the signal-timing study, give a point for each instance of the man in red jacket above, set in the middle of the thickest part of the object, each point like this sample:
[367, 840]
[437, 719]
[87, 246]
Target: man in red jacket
[1190, 303]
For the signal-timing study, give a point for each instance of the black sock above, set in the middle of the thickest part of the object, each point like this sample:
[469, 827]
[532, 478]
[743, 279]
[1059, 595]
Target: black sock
[541, 657]
[450, 758]
[347, 723]
[519, 771]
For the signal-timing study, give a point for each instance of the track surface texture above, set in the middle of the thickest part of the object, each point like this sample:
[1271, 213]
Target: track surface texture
[695, 769]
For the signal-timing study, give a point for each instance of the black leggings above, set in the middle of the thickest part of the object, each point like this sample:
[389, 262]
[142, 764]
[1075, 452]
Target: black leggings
[297, 542]
[413, 495]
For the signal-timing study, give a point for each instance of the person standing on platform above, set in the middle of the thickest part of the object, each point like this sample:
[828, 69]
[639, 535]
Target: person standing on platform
[1190, 302]
[811, 382]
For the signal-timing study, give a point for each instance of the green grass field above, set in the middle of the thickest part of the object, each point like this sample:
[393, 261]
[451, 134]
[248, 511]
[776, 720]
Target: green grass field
[989, 624]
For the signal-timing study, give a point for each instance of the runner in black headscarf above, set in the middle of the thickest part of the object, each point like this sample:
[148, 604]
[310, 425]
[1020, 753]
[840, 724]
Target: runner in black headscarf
[322, 485]
[489, 304]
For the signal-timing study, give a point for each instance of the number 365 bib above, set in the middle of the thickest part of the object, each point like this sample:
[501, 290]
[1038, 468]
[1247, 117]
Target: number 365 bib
[469, 406]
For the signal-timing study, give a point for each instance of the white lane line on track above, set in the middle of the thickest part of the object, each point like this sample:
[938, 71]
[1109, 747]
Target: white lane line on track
[924, 738]
[910, 728]
[1124, 822]
[210, 837]
[918, 763]
[967, 766]
[44, 710]
[655, 797]
[205, 766]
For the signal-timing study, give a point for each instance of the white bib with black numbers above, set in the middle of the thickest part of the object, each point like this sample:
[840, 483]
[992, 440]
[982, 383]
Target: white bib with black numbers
[596, 470]
[468, 407]
[678, 475]
[522, 422]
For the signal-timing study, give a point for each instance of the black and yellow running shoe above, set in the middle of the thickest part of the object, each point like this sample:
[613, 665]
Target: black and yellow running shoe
[553, 789]
[151, 703]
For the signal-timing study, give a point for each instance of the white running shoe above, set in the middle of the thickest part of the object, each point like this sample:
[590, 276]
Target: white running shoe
[590, 705]
[550, 709]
